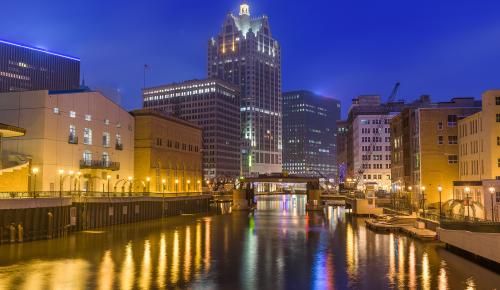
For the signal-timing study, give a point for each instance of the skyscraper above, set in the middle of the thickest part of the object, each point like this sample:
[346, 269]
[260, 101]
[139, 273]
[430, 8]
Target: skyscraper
[309, 134]
[25, 68]
[214, 106]
[245, 54]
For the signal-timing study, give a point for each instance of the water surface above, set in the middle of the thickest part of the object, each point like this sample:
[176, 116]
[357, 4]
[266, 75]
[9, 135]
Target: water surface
[277, 247]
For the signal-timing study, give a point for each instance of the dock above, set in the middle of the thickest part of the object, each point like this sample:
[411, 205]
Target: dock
[409, 229]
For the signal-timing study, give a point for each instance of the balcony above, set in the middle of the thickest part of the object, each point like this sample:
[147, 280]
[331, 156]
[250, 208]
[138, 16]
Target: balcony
[99, 164]
[72, 139]
[119, 146]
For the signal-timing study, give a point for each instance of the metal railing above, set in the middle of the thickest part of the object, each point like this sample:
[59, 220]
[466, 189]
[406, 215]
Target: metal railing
[480, 226]
[57, 194]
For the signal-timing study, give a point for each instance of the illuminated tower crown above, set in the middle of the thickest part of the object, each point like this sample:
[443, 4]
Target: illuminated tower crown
[244, 9]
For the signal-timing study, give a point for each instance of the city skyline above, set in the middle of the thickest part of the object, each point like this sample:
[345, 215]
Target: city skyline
[364, 54]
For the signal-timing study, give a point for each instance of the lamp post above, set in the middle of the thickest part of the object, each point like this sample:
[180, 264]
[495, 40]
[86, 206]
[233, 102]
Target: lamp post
[148, 180]
[189, 185]
[70, 173]
[440, 189]
[410, 201]
[108, 177]
[61, 172]
[199, 184]
[130, 180]
[176, 186]
[423, 200]
[467, 190]
[35, 172]
[79, 175]
[492, 191]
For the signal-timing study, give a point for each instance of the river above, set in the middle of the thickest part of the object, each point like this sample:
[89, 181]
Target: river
[279, 246]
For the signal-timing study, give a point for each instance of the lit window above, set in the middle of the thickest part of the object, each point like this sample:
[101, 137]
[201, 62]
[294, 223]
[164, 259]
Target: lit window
[87, 157]
[87, 136]
[56, 110]
[72, 114]
[88, 117]
[105, 139]
[106, 121]
[452, 159]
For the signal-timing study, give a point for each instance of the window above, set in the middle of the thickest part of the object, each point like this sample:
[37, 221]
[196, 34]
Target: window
[497, 101]
[105, 159]
[118, 139]
[440, 126]
[72, 135]
[88, 117]
[498, 197]
[106, 139]
[498, 118]
[498, 161]
[56, 110]
[452, 159]
[87, 136]
[440, 140]
[87, 157]
[72, 114]
[498, 141]
[452, 120]
[452, 140]
[106, 121]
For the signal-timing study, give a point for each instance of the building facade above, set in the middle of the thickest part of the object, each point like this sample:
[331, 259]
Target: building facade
[25, 68]
[213, 105]
[310, 133]
[246, 55]
[167, 154]
[14, 169]
[368, 141]
[77, 141]
[479, 159]
[342, 133]
[425, 155]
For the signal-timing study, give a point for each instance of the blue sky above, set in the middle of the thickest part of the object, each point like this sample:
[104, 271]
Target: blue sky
[342, 49]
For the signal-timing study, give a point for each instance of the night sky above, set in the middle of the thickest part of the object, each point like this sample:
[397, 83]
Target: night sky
[342, 49]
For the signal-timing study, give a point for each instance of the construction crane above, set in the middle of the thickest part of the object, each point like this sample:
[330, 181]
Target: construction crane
[373, 142]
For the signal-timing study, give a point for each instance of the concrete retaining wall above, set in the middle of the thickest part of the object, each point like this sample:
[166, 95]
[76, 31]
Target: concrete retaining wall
[485, 245]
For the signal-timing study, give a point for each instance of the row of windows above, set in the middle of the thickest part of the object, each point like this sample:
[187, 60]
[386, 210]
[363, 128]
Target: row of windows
[452, 140]
[375, 148]
[87, 137]
[177, 145]
[375, 176]
[376, 166]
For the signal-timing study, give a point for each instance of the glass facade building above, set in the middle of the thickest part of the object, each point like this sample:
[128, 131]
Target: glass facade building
[309, 134]
[213, 105]
[25, 68]
[245, 54]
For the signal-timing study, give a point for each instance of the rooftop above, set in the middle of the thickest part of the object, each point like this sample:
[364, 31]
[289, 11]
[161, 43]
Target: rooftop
[38, 49]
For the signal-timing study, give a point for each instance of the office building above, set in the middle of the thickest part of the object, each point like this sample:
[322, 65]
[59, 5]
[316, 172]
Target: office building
[425, 155]
[167, 153]
[479, 159]
[368, 141]
[77, 140]
[25, 68]
[309, 134]
[213, 105]
[14, 168]
[245, 54]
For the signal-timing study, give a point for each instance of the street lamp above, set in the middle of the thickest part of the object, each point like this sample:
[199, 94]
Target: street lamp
[70, 173]
[148, 181]
[79, 174]
[199, 184]
[189, 183]
[492, 191]
[176, 186]
[130, 179]
[61, 172]
[467, 190]
[35, 172]
[440, 189]
[423, 199]
[108, 177]
[410, 199]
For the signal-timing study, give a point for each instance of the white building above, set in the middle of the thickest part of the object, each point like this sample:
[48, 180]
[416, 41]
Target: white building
[375, 161]
[78, 139]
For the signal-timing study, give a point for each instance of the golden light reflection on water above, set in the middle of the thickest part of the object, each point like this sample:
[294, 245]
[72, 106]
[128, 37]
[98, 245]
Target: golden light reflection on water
[401, 262]
[392, 260]
[351, 252]
[106, 272]
[207, 245]
[470, 284]
[187, 254]
[426, 283]
[197, 259]
[443, 277]
[127, 272]
[412, 261]
[174, 273]
[162, 262]
[69, 274]
[145, 278]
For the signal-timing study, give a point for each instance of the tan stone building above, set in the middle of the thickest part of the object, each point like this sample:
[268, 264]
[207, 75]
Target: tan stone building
[167, 153]
[425, 148]
[14, 168]
[479, 159]
[78, 140]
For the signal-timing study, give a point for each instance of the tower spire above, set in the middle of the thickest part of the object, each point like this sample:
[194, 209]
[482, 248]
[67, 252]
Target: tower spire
[244, 8]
